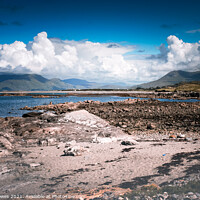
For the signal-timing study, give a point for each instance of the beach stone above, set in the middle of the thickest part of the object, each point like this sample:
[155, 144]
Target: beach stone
[193, 196]
[18, 154]
[71, 143]
[127, 143]
[35, 164]
[120, 123]
[165, 195]
[32, 114]
[103, 140]
[69, 153]
[24, 108]
[51, 141]
[43, 143]
[188, 139]
[149, 126]
[83, 117]
[180, 135]
[73, 151]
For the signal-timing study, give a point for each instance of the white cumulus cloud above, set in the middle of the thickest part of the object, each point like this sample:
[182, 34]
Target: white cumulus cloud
[101, 62]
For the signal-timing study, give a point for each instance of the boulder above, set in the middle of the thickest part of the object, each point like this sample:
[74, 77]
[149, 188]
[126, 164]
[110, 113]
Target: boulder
[51, 141]
[42, 143]
[73, 151]
[32, 114]
[172, 136]
[151, 126]
[35, 164]
[180, 135]
[127, 143]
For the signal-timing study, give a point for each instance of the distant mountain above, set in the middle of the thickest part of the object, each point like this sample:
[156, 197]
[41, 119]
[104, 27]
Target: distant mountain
[113, 86]
[30, 82]
[171, 78]
[82, 84]
[33, 82]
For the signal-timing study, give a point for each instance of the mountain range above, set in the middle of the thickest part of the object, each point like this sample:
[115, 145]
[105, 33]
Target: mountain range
[171, 78]
[30, 82]
[33, 82]
[81, 84]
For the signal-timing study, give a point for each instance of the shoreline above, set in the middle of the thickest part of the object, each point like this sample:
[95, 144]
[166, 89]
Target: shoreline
[136, 94]
[135, 114]
[131, 148]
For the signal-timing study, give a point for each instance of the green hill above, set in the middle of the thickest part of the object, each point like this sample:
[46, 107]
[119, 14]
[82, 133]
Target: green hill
[171, 78]
[30, 82]
[193, 86]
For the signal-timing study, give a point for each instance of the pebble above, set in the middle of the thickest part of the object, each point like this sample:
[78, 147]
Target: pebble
[35, 164]
[189, 139]
[172, 136]
[190, 193]
[127, 143]
[180, 135]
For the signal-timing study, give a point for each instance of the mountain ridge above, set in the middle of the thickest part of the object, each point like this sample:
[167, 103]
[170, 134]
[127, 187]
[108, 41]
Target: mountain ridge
[82, 84]
[171, 78]
[31, 82]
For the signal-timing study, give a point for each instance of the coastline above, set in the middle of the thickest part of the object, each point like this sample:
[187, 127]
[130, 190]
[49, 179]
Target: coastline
[123, 93]
[93, 149]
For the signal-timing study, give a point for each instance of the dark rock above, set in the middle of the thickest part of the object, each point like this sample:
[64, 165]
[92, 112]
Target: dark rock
[32, 114]
[149, 126]
[73, 151]
[127, 143]
[43, 143]
[18, 154]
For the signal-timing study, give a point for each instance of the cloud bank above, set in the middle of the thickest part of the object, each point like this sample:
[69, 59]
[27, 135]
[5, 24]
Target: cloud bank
[100, 62]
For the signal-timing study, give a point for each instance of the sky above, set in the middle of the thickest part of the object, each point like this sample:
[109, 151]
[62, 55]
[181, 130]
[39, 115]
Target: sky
[131, 41]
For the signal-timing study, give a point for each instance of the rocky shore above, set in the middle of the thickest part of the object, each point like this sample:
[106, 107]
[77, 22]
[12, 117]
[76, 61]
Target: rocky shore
[136, 116]
[132, 149]
[122, 93]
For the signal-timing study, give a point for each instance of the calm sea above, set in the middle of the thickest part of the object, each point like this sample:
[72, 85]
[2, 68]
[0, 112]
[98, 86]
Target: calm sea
[10, 105]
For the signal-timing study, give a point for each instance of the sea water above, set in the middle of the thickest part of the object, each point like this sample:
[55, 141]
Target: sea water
[10, 105]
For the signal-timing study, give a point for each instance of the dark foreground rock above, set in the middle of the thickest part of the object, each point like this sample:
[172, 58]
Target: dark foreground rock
[32, 114]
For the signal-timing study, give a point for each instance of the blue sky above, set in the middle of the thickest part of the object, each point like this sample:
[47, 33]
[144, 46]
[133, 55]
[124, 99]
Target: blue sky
[139, 27]
[146, 23]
